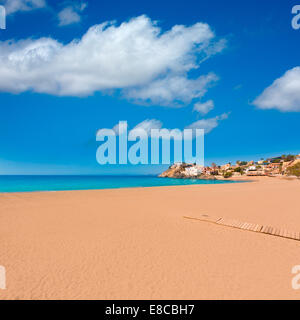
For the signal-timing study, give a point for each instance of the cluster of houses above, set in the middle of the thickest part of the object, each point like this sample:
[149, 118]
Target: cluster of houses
[269, 167]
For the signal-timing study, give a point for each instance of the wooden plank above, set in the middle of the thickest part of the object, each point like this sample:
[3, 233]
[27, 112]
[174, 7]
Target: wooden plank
[279, 232]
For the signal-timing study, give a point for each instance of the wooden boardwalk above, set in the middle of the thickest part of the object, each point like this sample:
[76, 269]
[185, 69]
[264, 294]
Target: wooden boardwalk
[278, 232]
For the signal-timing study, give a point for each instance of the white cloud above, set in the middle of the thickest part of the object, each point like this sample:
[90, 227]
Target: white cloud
[134, 57]
[68, 16]
[13, 6]
[205, 107]
[146, 125]
[71, 14]
[283, 94]
[208, 124]
[172, 90]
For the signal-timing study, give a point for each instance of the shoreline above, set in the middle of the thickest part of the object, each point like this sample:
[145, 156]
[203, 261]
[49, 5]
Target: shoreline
[118, 188]
[215, 181]
[133, 243]
[236, 179]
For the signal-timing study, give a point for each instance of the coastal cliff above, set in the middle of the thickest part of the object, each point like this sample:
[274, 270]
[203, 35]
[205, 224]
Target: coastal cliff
[183, 171]
[173, 172]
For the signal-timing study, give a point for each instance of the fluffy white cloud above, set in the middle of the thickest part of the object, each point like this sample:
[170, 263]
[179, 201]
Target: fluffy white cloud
[283, 94]
[13, 6]
[71, 14]
[135, 57]
[208, 124]
[205, 107]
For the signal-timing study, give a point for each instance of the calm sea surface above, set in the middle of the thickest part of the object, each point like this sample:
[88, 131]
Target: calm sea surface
[57, 183]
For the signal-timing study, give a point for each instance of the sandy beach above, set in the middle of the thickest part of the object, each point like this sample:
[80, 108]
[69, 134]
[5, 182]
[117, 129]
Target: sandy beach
[135, 243]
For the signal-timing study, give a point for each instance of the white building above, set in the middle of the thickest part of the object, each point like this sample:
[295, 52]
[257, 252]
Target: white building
[193, 171]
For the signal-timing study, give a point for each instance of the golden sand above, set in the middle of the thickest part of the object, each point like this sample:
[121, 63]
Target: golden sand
[135, 243]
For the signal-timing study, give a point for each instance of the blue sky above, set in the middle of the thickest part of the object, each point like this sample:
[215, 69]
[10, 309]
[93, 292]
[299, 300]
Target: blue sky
[231, 66]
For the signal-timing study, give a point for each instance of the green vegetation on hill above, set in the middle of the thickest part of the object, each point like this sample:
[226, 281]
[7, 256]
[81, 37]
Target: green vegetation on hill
[289, 157]
[227, 174]
[239, 169]
[294, 170]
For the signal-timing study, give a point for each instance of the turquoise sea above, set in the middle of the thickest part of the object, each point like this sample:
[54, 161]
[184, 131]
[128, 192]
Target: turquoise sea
[57, 183]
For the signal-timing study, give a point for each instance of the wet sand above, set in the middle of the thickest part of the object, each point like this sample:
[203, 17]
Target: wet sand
[135, 243]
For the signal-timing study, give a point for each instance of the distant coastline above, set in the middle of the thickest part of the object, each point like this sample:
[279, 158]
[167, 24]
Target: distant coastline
[281, 166]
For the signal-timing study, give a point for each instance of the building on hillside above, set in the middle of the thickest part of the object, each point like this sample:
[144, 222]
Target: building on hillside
[255, 171]
[193, 171]
[209, 170]
[273, 165]
[226, 166]
[273, 168]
